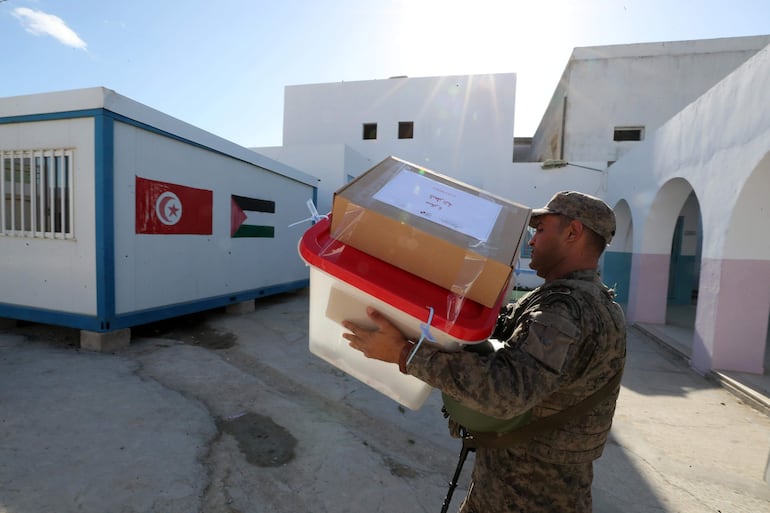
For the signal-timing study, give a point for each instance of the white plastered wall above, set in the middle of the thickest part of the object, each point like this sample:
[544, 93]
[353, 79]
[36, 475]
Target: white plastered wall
[48, 273]
[330, 163]
[160, 270]
[463, 125]
[637, 85]
[531, 185]
[712, 147]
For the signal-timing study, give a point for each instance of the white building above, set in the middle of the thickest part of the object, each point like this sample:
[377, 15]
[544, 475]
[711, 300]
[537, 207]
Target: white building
[609, 97]
[448, 124]
[684, 126]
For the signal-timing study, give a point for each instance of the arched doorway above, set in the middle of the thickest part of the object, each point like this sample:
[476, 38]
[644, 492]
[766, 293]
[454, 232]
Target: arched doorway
[651, 264]
[684, 265]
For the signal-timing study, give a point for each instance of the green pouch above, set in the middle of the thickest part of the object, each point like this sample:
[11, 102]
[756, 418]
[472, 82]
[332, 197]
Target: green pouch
[475, 421]
[478, 422]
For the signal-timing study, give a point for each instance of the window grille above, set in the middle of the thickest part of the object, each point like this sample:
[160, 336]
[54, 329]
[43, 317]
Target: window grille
[36, 187]
[629, 133]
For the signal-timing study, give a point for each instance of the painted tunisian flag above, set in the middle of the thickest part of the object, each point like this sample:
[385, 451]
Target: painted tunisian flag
[168, 208]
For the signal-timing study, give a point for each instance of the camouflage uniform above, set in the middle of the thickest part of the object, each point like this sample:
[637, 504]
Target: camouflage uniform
[563, 341]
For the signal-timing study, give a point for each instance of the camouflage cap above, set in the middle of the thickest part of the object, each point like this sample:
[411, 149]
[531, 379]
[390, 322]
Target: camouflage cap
[591, 211]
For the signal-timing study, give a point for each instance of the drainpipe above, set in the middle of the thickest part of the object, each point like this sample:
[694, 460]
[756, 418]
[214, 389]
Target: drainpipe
[563, 128]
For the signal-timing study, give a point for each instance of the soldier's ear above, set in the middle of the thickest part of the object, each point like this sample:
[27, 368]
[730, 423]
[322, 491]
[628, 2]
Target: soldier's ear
[575, 230]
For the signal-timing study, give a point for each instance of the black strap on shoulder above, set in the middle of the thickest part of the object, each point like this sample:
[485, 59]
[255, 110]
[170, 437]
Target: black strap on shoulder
[542, 425]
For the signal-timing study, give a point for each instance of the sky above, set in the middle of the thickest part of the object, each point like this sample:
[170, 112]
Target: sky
[223, 65]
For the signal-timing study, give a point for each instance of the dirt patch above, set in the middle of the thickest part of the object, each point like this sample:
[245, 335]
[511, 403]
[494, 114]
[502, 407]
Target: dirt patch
[188, 329]
[261, 440]
[54, 335]
[399, 469]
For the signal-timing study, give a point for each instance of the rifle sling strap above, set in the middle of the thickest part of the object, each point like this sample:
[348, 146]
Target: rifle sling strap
[542, 425]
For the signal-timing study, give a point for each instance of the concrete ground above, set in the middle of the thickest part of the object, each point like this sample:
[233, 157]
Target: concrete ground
[231, 413]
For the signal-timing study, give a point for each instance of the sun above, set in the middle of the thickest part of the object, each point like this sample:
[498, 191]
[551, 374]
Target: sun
[440, 37]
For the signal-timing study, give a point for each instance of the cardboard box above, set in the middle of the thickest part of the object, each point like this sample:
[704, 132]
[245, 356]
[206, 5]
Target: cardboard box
[447, 232]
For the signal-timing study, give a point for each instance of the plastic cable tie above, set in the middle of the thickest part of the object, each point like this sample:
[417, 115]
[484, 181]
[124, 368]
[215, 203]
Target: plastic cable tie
[314, 215]
[424, 335]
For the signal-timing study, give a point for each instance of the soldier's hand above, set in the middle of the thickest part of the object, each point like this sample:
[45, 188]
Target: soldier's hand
[384, 343]
[454, 428]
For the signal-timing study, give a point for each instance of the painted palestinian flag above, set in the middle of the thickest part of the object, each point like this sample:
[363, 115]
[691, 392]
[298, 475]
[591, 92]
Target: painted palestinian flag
[251, 217]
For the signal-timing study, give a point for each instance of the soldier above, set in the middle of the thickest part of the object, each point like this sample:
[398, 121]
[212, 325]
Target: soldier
[563, 342]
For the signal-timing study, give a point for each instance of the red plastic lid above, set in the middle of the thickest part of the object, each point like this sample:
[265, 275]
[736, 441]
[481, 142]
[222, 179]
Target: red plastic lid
[469, 321]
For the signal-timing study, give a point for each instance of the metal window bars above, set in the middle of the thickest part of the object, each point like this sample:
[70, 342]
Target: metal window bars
[37, 193]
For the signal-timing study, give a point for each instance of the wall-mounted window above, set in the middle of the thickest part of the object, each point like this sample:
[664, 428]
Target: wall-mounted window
[370, 131]
[406, 129]
[628, 133]
[36, 193]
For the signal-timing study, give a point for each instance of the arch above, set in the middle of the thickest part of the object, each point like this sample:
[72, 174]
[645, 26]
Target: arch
[617, 259]
[662, 216]
[752, 210]
[731, 327]
[650, 264]
[623, 240]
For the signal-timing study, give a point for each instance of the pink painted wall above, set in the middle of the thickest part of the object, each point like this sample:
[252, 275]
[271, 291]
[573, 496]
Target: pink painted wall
[732, 318]
[649, 288]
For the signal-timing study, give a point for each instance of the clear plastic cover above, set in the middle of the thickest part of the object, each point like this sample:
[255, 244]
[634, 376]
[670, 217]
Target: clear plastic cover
[425, 244]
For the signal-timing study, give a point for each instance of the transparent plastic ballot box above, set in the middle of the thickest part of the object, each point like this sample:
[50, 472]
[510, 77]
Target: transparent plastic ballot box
[345, 281]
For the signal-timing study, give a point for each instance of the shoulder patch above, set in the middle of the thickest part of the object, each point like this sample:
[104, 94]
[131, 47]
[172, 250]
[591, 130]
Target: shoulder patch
[550, 337]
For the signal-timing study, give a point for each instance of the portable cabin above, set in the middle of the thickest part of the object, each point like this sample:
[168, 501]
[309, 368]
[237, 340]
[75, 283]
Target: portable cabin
[115, 215]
